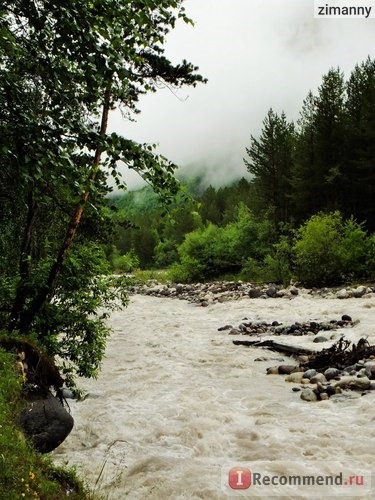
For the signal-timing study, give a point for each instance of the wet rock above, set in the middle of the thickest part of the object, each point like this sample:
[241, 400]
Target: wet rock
[359, 292]
[353, 383]
[234, 331]
[286, 369]
[323, 396]
[320, 338]
[271, 292]
[295, 378]
[308, 395]
[309, 374]
[342, 294]
[370, 372]
[273, 370]
[46, 422]
[330, 390]
[331, 373]
[254, 293]
[345, 317]
[296, 389]
[204, 303]
[319, 377]
[293, 290]
[226, 327]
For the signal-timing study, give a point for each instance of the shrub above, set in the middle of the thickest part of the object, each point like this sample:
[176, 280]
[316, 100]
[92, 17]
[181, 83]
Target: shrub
[124, 263]
[213, 251]
[329, 250]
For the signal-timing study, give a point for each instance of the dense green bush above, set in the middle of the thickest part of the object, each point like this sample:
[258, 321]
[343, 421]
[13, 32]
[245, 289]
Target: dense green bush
[276, 266]
[213, 251]
[329, 250]
[124, 263]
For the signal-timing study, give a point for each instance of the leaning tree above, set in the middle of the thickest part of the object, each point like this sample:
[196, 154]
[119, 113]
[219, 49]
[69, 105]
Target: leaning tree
[63, 69]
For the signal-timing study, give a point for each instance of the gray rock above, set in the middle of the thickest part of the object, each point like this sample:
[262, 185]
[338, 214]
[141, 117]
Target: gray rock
[342, 294]
[354, 383]
[359, 292]
[331, 373]
[319, 377]
[309, 374]
[226, 327]
[234, 331]
[254, 293]
[324, 396]
[46, 422]
[271, 292]
[295, 378]
[346, 317]
[293, 290]
[308, 395]
[320, 338]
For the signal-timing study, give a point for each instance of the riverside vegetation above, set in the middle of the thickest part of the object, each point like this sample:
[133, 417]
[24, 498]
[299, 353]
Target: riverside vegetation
[63, 69]
[305, 213]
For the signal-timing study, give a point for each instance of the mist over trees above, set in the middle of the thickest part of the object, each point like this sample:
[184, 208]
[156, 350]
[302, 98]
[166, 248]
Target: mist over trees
[310, 179]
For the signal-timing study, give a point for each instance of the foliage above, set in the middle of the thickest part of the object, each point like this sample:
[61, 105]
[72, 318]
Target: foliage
[24, 472]
[329, 250]
[213, 250]
[124, 263]
[63, 68]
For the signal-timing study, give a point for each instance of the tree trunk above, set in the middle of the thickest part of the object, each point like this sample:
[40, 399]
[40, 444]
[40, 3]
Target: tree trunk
[27, 317]
[24, 264]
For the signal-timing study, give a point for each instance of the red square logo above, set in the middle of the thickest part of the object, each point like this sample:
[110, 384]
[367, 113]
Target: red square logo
[239, 478]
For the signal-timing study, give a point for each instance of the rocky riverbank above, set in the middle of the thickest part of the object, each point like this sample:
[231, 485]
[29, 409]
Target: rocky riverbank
[205, 294]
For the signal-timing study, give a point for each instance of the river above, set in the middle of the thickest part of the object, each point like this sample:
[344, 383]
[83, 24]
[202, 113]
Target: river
[176, 404]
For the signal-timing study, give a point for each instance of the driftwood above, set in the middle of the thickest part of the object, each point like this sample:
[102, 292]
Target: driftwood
[341, 354]
[275, 346]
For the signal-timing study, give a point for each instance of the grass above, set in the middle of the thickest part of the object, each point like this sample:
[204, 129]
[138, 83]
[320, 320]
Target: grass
[25, 473]
[159, 275]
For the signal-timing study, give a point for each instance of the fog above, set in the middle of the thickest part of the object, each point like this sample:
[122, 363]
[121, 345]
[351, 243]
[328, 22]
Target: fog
[256, 54]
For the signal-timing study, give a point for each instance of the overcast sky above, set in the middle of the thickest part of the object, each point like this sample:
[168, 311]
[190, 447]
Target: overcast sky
[256, 54]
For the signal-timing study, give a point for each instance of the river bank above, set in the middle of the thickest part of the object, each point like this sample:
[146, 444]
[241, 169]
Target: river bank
[176, 400]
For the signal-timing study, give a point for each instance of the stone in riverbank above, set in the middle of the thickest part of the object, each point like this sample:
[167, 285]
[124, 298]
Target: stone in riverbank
[223, 291]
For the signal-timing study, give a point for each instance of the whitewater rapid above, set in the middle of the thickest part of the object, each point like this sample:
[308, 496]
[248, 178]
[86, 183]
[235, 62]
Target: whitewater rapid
[175, 401]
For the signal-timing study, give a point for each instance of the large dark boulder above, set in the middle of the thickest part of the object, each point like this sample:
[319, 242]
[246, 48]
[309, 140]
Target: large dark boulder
[45, 421]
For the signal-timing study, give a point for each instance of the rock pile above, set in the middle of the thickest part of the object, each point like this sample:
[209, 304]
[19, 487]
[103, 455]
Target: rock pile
[205, 294]
[317, 385]
[296, 329]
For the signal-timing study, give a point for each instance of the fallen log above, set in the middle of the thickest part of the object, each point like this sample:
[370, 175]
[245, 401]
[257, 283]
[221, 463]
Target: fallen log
[276, 346]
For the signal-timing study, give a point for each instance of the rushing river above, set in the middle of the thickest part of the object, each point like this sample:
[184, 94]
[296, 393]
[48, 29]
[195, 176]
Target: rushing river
[176, 401]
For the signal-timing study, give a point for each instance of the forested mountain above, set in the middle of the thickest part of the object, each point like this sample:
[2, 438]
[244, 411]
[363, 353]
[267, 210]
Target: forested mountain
[318, 170]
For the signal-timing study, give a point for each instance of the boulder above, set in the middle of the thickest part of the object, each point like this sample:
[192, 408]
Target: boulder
[354, 383]
[342, 294]
[309, 395]
[254, 293]
[331, 373]
[295, 378]
[271, 292]
[45, 421]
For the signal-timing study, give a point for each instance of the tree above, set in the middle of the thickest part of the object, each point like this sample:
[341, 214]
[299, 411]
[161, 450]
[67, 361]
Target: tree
[270, 161]
[318, 172]
[359, 168]
[62, 70]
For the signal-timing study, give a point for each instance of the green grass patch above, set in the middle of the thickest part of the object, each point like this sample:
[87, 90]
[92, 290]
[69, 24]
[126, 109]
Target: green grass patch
[25, 473]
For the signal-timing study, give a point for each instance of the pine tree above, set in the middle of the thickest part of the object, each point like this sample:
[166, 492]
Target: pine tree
[270, 161]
